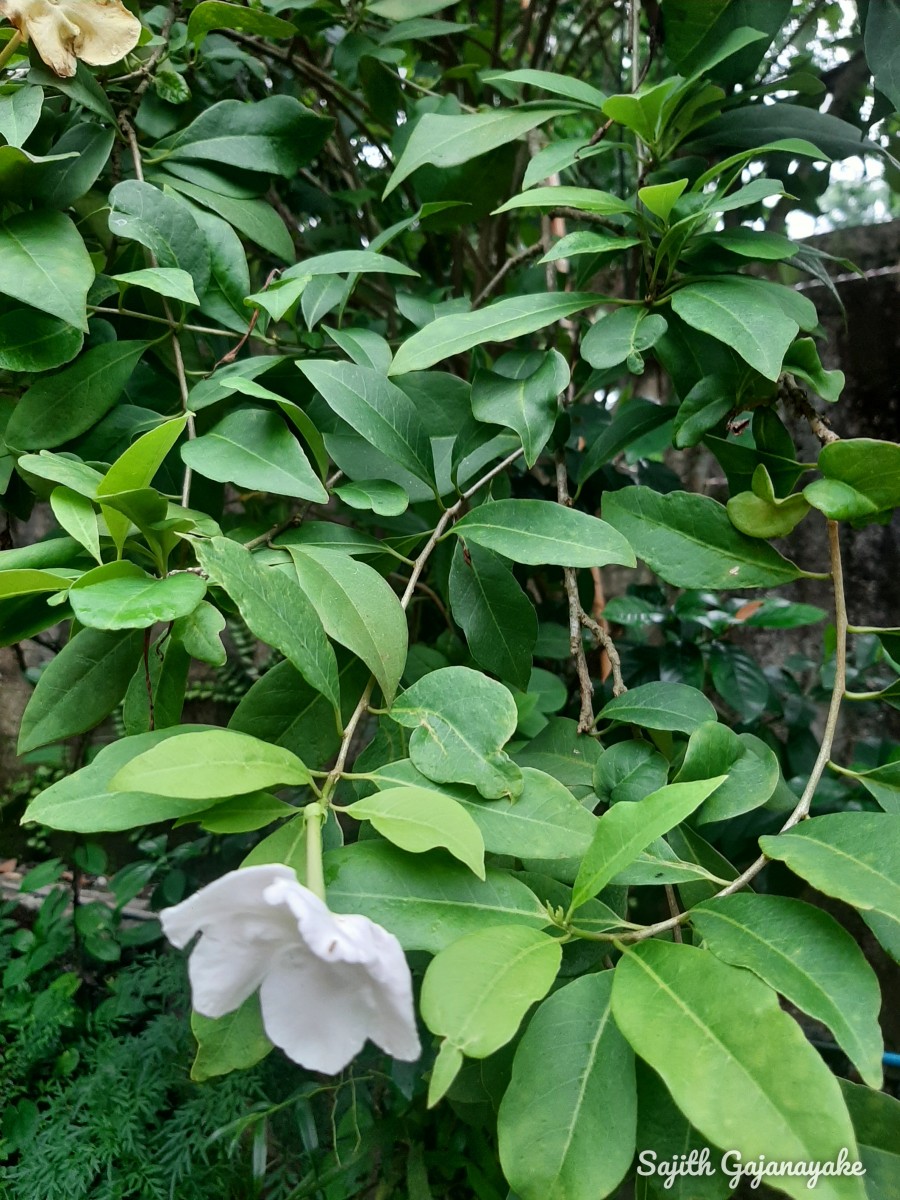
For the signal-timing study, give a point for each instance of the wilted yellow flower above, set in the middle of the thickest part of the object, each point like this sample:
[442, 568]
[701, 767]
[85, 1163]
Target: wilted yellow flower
[98, 31]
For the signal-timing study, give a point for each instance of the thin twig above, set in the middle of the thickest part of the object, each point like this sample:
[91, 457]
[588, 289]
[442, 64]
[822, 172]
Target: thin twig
[517, 259]
[797, 397]
[600, 630]
[575, 214]
[576, 612]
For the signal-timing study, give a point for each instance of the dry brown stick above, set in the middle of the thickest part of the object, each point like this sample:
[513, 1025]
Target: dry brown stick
[576, 613]
[600, 630]
[795, 395]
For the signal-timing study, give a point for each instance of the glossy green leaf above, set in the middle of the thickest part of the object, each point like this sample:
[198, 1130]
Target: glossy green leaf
[524, 397]
[426, 902]
[854, 856]
[689, 541]
[861, 478]
[461, 720]
[214, 14]
[381, 496]
[662, 705]
[358, 608]
[496, 616]
[136, 600]
[198, 631]
[630, 423]
[276, 610]
[806, 956]
[621, 337]
[77, 516]
[419, 819]
[26, 581]
[497, 322]
[80, 687]
[35, 341]
[760, 513]
[589, 200]
[377, 409]
[253, 448]
[236, 1041]
[751, 766]
[585, 242]
[210, 764]
[165, 281]
[164, 224]
[627, 829]
[44, 263]
[446, 141]
[83, 802]
[46, 415]
[736, 1064]
[571, 1065]
[629, 771]
[802, 360]
[538, 532]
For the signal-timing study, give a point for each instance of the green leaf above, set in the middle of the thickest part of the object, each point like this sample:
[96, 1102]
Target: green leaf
[739, 680]
[135, 600]
[213, 14]
[380, 496]
[496, 616]
[76, 515]
[160, 680]
[20, 111]
[426, 902]
[447, 141]
[549, 81]
[621, 337]
[25, 581]
[661, 706]
[460, 721]
[46, 416]
[660, 198]
[862, 477]
[538, 532]
[44, 263]
[585, 242]
[165, 281]
[629, 771]
[876, 1122]
[65, 179]
[630, 423]
[761, 514]
[278, 135]
[346, 262]
[698, 32]
[524, 402]
[882, 31]
[571, 1065]
[627, 829]
[33, 341]
[223, 381]
[750, 765]
[276, 611]
[133, 471]
[236, 1041]
[852, 855]
[752, 125]
[83, 803]
[743, 313]
[497, 322]
[208, 765]
[79, 687]
[734, 1062]
[198, 631]
[253, 448]
[689, 541]
[296, 415]
[662, 1126]
[477, 990]
[377, 409]
[803, 953]
[255, 219]
[358, 608]
[419, 819]
[242, 814]
[802, 360]
[164, 224]
[585, 199]
[759, 244]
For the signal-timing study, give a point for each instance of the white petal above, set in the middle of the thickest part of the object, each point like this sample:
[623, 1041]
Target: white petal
[107, 31]
[235, 894]
[319, 928]
[224, 971]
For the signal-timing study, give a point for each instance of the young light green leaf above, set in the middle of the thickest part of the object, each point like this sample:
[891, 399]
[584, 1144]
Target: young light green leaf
[26, 581]
[426, 902]
[44, 263]
[627, 829]
[497, 322]
[734, 1062]
[538, 532]
[803, 953]
[585, 199]
[79, 687]
[134, 470]
[253, 448]
[862, 477]
[78, 517]
[660, 198]
[380, 496]
[461, 720]
[165, 281]
[377, 409]
[689, 541]
[662, 705]
[852, 855]
[419, 819]
[136, 600]
[571, 1064]
[208, 765]
[761, 514]
[496, 616]
[358, 608]
[276, 610]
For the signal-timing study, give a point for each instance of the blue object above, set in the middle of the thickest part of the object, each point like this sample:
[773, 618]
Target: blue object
[891, 1060]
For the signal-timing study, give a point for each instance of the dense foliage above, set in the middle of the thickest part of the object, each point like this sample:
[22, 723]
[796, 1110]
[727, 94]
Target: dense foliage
[353, 359]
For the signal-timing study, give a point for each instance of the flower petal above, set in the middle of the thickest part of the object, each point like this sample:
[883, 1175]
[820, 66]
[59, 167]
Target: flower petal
[236, 894]
[107, 30]
[48, 27]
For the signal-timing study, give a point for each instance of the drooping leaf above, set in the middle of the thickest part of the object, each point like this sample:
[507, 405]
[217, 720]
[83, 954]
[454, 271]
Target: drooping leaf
[571, 1064]
[76, 515]
[861, 478]
[276, 610]
[538, 532]
[45, 264]
[427, 902]
[803, 953]
[419, 819]
[135, 600]
[689, 541]
[664, 705]
[164, 224]
[164, 281]
[496, 616]
[461, 720]
[522, 396]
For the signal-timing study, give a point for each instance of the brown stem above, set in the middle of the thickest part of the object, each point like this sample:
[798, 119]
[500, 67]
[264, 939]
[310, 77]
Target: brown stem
[576, 612]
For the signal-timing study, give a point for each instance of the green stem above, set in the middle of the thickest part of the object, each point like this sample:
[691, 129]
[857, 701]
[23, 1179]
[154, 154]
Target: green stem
[10, 48]
[314, 815]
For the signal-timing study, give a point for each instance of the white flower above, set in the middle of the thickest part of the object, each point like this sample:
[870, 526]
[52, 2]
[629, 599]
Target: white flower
[326, 981]
[99, 31]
